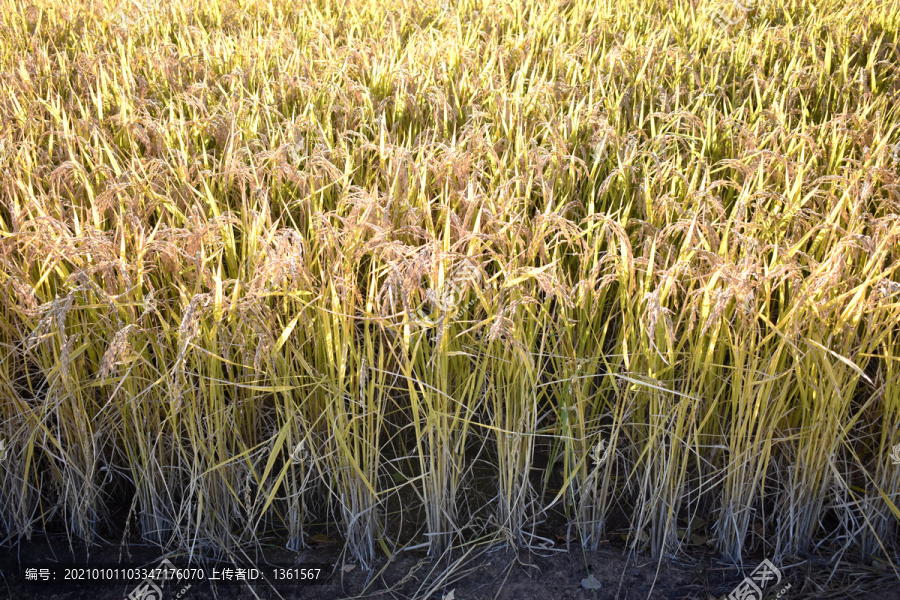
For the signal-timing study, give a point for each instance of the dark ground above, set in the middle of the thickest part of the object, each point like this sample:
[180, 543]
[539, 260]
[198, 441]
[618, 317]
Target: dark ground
[488, 573]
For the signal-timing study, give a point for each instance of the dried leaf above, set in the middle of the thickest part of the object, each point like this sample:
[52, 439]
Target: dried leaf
[591, 583]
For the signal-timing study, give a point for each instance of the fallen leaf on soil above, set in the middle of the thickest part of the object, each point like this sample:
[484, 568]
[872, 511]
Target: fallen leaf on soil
[348, 568]
[698, 539]
[591, 583]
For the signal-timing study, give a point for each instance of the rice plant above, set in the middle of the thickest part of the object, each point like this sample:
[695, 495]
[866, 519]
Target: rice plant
[427, 273]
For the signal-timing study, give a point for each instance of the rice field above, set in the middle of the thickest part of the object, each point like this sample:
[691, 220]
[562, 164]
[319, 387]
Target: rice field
[428, 273]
